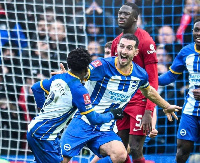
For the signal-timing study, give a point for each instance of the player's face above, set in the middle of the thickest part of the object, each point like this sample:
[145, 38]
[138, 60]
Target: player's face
[196, 33]
[126, 51]
[126, 17]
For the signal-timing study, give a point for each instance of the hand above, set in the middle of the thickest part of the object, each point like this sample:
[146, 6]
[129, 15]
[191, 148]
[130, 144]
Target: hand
[169, 112]
[147, 122]
[196, 93]
[118, 113]
[61, 71]
[153, 133]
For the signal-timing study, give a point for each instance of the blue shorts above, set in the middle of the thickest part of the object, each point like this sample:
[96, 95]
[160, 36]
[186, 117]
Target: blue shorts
[189, 128]
[45, 151]
[79, 134]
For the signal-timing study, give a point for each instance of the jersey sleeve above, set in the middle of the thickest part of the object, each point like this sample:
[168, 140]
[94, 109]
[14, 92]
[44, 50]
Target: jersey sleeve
[39, 89]
[145, 82]
[178, 65]
[149, 51]
[97, 70]
[114, 45]
[81, 100]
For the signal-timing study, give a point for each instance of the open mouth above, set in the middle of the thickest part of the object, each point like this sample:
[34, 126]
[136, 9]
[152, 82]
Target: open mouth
[123, 58]
[197, 39]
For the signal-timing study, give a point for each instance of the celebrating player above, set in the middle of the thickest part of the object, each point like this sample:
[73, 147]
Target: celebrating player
[112, 82]
[66, 94]
[139, 110]
[189, 128]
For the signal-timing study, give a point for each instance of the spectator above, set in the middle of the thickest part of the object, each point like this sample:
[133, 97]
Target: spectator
[58, 43]
[154, 11]
[107, 49]
[190, 13]
[12, 31]
[49, 14]
[166, 35]
[41, 33]
[94, 49]
[12, 127]
[163, 56]
[12, 66]
[38, 60]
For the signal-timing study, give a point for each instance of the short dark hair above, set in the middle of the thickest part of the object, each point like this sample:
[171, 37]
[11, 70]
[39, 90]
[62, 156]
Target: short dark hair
[78, 59]
[108, 45]
[134, 7]
[130, 36]
[197, 20]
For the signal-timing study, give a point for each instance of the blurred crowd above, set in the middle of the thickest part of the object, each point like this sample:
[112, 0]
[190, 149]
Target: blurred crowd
[36, 37]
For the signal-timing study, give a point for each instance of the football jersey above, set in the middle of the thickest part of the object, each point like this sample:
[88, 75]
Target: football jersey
[66, 94]
[110, 88]
[189, 59]
[146, 55]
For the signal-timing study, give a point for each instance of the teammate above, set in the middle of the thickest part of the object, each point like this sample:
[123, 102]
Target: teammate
[112, 82]
[66, 94]
[189, 126]
[139, 110]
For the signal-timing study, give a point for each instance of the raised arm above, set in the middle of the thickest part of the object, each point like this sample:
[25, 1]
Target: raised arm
[167, 78]
[153, 95]
[96, 118]
[39, 89]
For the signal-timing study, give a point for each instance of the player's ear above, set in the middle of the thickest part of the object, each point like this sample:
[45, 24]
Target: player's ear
[136, 51]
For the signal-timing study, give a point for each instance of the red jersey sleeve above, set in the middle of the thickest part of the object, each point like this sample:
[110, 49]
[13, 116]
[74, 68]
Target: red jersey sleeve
[152, 71]
[114, 45]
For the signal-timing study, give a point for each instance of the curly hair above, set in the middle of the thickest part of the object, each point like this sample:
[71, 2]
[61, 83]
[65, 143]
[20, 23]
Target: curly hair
[78, 59]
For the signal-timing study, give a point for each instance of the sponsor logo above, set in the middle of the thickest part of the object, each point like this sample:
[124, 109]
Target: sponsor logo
[67, 147]
[183, 132]
[152, 49]
[136, 129]
[96, 63]
[86, 98]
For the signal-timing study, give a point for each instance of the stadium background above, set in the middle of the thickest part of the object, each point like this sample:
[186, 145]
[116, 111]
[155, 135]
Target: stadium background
[36, 35]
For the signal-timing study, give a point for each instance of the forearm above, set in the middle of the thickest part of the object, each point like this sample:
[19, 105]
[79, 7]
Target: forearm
[167, 78]
[96, 118]
[39, 95]
[154, 119]
[153, 95]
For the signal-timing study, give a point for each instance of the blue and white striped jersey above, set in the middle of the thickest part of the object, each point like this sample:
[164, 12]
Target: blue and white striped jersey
[189, 59]
[110, 88]
[66, 94]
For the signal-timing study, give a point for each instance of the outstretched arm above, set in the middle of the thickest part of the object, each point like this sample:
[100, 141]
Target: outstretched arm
[153, 95]
[96, 118]
[167, 78]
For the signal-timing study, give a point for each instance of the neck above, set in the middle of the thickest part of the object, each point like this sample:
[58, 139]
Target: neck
[125, 70]
[198, 47]
[130, 30]
[79, 75]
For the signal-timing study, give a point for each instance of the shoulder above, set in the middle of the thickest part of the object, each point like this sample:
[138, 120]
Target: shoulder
[138, 69]
[143, 35]
[187, 50]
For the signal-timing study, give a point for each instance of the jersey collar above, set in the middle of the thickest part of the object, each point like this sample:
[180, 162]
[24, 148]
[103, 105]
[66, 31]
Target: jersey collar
[124, 74]
[70, 73]
[195, 48]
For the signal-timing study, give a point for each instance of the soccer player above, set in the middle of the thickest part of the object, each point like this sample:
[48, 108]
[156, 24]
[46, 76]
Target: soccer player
[139, 110]
[112, 82]
[189, 126]
[65, 94]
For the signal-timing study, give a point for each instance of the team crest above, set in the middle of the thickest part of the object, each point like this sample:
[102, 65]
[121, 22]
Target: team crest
[86, 98]
[96, 63]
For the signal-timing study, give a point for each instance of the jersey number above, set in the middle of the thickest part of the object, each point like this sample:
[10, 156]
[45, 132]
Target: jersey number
[137, 125]
[49, 99]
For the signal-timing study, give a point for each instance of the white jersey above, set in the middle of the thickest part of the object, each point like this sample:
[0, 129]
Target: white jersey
[66, 94]
[110, 88]
[189, 59]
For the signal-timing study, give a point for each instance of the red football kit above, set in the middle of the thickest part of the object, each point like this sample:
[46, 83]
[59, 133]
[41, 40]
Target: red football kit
[147, 59]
